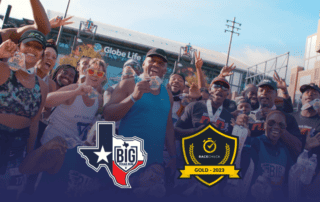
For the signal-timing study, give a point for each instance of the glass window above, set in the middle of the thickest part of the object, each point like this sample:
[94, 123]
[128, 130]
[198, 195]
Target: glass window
[297, 101]
[308, 48]
[236, 78]
[305, 80]
[306, 65]
[311, 63]
[313, 46]
[234, 88]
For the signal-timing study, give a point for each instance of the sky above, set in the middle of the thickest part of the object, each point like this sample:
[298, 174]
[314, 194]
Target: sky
[268, 28]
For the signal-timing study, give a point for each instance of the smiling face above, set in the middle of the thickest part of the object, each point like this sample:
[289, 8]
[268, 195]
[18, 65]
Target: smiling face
[245, 107]
[251, 94]
[33, 52]
[177, 83]
[96, 68]
[83, 65]
[48, 61]
[65, 77]
[266, 96]
[154, 66]
[275, 126]
[309, 95]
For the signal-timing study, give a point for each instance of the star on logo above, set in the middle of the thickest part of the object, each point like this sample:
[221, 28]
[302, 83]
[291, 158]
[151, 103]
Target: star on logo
[102, 155]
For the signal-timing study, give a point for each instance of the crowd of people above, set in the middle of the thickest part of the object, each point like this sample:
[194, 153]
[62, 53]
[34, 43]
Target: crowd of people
[45, 113]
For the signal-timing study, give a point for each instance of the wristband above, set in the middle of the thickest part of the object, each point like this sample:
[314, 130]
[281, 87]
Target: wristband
[133, 100]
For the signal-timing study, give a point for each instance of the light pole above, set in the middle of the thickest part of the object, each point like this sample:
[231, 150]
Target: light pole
[233, 27]
[61, 28]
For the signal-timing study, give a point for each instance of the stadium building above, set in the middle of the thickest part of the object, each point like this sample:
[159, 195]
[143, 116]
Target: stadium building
[116, 45]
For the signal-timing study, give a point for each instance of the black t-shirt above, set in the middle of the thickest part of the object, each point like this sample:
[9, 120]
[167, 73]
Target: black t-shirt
[305, 125]
[196, 114]
[230, 105]
[257, 128]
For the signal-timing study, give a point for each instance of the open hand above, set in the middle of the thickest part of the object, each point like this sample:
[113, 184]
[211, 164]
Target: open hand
[58, 21]
[198, 60]
[280, 81]
[227, 71]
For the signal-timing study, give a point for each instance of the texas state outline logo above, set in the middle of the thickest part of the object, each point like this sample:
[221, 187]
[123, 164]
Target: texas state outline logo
[120, 156]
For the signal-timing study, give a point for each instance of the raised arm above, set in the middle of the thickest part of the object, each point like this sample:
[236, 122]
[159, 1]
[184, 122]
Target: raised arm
[122, 98]
[227, 71]
[281, 84]
[40, 17]
[41, 23]
[200, 75]
[65, 94]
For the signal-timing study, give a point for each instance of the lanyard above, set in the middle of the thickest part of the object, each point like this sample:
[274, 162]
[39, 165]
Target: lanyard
[213, 118]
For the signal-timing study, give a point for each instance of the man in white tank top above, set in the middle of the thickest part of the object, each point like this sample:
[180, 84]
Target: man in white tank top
[75, 111]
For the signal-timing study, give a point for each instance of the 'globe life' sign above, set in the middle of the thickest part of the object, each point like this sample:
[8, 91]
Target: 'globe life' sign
[117, 53]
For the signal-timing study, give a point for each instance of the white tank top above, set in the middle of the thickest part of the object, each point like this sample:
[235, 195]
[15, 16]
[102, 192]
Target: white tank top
[71, 122]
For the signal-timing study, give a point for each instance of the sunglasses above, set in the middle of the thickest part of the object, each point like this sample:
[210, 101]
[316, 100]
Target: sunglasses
[272, 123]
[216, 86]
[92, 72]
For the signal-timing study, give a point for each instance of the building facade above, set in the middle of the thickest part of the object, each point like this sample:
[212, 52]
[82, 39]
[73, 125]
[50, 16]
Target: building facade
[310, 73]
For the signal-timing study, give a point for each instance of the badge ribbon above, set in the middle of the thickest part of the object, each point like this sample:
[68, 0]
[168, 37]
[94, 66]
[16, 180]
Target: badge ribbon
[209, 170]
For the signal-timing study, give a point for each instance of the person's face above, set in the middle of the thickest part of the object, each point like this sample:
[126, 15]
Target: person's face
[309, 95]
[97, 77]
[205, 95]
[266, 96]
[65, 76]
[252, 95]
[188, 71]
[274, 126]
[245, 107]
[186, 90]
[218, 93]
[33, 51]
[83, 65]
[154, 66]
[49, 60]
[177, 83]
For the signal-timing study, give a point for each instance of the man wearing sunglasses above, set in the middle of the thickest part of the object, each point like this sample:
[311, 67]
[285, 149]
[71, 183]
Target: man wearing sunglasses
[199, 114]
[267, 93]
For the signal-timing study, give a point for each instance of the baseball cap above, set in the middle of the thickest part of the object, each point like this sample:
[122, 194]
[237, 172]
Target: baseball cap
[182, 76]
[240, 100]
[268, 82]
[220, 79]
[307, 86]
[134, 64]
[33, 35]
[158, 52]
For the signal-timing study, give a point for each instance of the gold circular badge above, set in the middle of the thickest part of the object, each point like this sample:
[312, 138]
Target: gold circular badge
[209, 145]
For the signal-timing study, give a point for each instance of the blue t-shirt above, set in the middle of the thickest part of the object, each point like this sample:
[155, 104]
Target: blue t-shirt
[147, 119]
